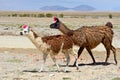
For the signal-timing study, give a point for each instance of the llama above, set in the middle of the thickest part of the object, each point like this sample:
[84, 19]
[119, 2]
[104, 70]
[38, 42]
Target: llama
[89, 37]
[52, 45]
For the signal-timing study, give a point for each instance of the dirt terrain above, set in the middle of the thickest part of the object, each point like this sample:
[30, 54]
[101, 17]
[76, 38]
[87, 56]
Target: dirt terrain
[20, 60]
[24, 64]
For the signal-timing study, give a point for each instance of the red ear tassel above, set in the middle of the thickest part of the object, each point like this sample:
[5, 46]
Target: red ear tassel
[55, 18]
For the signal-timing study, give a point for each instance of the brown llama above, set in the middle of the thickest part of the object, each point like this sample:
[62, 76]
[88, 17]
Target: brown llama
[53, 45]
[89, 37]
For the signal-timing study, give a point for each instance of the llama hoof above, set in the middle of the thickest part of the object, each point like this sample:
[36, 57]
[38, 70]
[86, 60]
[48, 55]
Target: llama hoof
[74, 65]
[66, 71]
[94, 63]
[40, 71]
[115, 62]
[57, 70]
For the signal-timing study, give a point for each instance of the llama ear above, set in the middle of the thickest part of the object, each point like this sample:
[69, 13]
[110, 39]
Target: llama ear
[56, 19]
[30, 29]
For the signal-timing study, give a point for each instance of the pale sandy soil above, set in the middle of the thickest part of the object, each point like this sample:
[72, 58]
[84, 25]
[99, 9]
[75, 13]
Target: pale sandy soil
[24, 64]
[20, 60]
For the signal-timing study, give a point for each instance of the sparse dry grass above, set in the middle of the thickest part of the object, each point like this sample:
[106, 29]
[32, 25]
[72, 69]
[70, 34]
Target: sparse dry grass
[70, 19]
[45, 22]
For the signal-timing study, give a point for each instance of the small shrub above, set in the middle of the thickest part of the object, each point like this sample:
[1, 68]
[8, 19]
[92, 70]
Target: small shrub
[61, 15]
[26, 15]
[41, 15]
[49, 15]
[67, 78]
[14, 15]
[33, 15]
[110, 16]
[9, 15]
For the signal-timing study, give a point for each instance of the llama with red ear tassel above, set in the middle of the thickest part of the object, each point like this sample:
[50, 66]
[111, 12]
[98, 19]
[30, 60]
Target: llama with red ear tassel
[53, 45]
[89, 37]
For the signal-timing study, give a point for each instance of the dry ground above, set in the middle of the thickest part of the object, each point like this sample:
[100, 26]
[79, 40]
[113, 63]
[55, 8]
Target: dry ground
[20, 60]
[24, 64]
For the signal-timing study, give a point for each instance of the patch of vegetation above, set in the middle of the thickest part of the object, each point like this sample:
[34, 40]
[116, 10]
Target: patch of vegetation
[66, 78]
[41, 15]
[26, 15]
[117, 78]
[15, 60]
[61, 15]
[49, 15]
[14, 15]
[38, 15]
[110, 16]
[33, 15]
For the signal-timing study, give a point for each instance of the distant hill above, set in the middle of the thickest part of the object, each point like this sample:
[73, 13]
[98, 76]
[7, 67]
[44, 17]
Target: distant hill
[61, 8]
[83, 8]
[54, 8]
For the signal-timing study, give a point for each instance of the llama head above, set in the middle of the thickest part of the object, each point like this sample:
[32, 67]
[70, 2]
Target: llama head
[25, 29]
[109, 24]
[56, 24]
[31, 34]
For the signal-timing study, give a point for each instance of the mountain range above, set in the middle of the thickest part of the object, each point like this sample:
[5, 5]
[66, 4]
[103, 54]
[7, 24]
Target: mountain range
[62, 8]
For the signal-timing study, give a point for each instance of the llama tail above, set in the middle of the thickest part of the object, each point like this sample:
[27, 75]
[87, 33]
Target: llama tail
[109, 24]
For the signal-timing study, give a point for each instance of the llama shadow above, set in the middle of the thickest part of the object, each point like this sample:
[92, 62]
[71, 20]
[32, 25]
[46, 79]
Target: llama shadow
[96, 64]
[91, 64]
[32, 71]
[35, 71]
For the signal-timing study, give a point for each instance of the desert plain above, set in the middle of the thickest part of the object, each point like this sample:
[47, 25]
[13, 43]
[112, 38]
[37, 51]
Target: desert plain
[21, 60]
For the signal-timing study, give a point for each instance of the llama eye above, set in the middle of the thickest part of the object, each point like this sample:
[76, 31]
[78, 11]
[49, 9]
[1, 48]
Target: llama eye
[56, 24]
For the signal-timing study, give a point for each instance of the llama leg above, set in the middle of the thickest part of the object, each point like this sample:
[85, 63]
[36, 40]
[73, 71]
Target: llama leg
[79, 53]
[90, 53]
[68, 61]
[108, 54]
[54, 60]
[108, 46]
[44, 60]
[76, 58]
[114, 52]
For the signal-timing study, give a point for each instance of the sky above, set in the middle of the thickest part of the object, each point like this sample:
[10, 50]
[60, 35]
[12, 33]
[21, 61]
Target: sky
[18, 5]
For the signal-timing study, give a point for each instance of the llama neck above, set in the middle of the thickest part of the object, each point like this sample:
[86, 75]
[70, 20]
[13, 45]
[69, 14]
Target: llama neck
[64, 29]
[33, 36]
